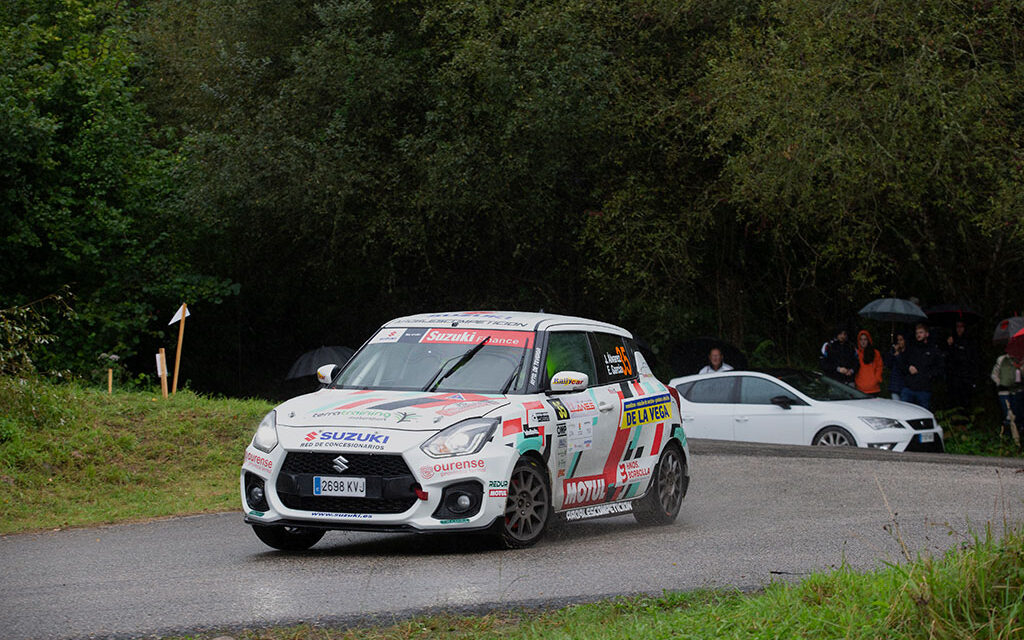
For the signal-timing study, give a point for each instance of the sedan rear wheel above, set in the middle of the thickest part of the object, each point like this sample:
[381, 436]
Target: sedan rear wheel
[528, 507]
[834, 437]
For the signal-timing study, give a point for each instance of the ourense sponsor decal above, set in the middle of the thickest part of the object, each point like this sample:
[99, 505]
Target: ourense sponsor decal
[259, 461]
[447, 468]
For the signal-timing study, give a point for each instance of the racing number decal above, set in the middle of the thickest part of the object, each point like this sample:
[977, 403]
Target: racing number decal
[627, 365]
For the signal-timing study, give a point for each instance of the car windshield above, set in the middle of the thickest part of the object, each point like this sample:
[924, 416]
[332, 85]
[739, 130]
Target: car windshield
[821, 387]
[440, 359]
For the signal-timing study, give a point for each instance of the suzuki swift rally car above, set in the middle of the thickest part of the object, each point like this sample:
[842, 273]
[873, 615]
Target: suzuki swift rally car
[470, 421]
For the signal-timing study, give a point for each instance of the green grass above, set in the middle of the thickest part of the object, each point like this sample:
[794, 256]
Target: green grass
[72, 455]
[970, 594]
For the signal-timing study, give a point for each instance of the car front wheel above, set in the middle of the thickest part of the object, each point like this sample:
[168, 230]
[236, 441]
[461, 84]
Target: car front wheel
[528, 507]
[665, 496]
[834, 437]
[288, 538]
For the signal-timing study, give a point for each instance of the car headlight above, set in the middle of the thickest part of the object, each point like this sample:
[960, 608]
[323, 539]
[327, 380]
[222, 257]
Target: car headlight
[878, 423]
[266, 434]
[463, 438]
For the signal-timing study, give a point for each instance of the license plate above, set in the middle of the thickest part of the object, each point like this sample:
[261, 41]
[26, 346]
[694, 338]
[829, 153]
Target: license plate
[927, 437]
[346, 487]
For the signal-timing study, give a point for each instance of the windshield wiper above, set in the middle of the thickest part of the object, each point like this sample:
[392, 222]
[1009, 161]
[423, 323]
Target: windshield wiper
[463, 359]
[515, 374]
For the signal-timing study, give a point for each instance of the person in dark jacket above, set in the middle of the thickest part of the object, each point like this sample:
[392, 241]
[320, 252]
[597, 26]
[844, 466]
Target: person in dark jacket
[923, 364]
[894, 361]
[961, 367]
[840, 359]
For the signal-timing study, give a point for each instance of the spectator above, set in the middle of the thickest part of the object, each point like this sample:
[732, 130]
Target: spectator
[869, 370]
[715, 363]
[923, 365]
[1007, 375]
[894, 359]
[961, 367]
[840, 360]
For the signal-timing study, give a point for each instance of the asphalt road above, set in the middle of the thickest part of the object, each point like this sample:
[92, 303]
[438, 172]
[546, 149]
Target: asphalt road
[754, 515]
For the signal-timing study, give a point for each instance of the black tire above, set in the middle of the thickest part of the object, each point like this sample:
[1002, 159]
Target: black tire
[528, 507]
[834, 437]
[288, 538]
[665, 495]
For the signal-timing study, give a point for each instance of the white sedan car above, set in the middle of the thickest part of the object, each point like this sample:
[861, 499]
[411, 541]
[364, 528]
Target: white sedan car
[470, 421]
[800, 407]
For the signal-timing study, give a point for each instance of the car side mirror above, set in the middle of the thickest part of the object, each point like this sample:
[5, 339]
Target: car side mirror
[326, 373]
[783, 401]
[568, 381]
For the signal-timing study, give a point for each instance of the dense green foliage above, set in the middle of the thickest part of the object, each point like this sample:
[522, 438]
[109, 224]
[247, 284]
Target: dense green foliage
[299, 172]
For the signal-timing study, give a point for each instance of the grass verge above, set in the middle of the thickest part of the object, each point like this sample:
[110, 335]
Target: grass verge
[72, 455]
[971, 593]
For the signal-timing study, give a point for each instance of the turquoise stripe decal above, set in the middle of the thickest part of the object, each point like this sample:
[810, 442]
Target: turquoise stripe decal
[532, 443]
[572, 465]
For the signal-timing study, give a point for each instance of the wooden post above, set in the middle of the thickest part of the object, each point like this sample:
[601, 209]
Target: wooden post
[110, 381]
[177, 354]
[161, 369]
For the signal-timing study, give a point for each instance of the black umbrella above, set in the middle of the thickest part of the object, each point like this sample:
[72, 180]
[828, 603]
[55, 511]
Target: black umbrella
[309, 362]
[690, 356]
[1007, 328]
[950, 314]
[893, 310]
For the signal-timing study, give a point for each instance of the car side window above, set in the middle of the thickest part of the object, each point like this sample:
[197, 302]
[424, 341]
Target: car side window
[613, 358]
[760, 391]
[715, 390]
[570, 351]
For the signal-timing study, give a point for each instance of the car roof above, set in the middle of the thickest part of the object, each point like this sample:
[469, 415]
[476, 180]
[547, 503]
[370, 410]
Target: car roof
[762, 373]
[509, 320]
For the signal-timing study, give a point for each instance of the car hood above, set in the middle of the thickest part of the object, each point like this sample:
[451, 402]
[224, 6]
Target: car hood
[403, 410]
[880, 407]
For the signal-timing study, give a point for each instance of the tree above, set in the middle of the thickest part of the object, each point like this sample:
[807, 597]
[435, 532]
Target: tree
[878, 146]
[80, 182]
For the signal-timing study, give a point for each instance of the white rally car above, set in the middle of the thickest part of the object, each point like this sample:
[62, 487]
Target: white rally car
[470, 421]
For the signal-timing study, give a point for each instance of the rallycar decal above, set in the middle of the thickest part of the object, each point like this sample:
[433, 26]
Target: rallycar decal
[521, 339]
[646, 410]
[387, 335]
[578, 492]
[425, 402]
[611, 509]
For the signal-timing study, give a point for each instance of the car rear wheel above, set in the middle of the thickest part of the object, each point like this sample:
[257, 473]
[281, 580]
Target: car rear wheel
[665, 495]
[834, 437]
[528, 507]
[288, 538]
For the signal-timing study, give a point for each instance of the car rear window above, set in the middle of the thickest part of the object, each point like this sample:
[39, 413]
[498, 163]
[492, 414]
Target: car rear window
[715, 390]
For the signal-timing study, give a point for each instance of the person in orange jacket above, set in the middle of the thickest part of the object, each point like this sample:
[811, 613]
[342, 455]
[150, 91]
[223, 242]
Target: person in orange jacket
[869, 375]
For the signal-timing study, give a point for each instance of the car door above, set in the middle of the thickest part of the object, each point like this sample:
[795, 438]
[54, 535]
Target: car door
[757, 419]
[707, 409]
[584, 432]
[638, 412]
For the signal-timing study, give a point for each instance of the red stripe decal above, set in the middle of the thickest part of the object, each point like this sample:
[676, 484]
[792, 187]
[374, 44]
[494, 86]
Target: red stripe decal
[533, 405]
[639, 389]
[358, 403]
[611, 466]
[657, 439]
[511, 427]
